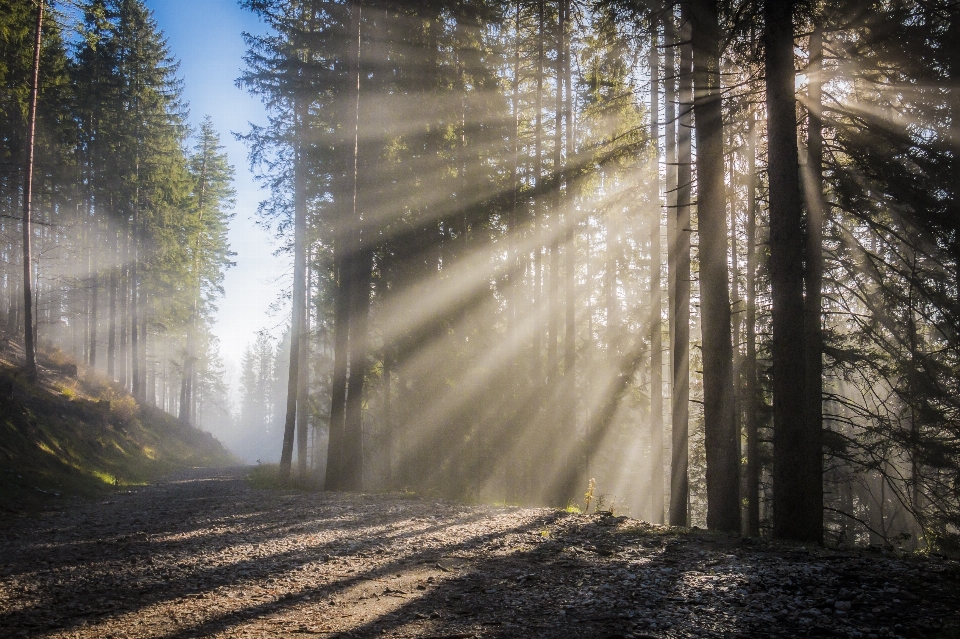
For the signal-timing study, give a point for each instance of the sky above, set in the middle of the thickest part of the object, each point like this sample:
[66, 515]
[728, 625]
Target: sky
[205, 36]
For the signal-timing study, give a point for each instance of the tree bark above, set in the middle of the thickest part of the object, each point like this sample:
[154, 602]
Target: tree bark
[298, 294]
[114, 284]
[656, 301]
[343, 257]
[538, 201]
[338, 390]
[553, 315]
[570, 294]
[751, 419]
[361, 264]
[123, 352]
[135, 361]
[679, 483]
[29, 347]
[722, 441]
[797, 511]
[303, 376]
[813, 277]
[353, 418]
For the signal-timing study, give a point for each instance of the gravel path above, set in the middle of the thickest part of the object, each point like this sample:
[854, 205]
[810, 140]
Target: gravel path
[204, 555]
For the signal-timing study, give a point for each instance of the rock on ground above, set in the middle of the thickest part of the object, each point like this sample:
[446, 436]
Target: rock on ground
[205, 555]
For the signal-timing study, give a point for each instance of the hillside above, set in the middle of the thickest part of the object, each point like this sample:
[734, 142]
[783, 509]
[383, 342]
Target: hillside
[72, 433]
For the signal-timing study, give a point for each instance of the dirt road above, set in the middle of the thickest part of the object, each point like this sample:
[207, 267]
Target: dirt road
[205, 555]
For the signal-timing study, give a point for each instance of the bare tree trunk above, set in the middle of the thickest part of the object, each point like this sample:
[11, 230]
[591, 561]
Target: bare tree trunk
[670, 143]
[353, 419]
[359, 305]
[656, 299]
[797, 492]
[114, 284]
[183, 412]
[338, 389]
[388, 434]
[124, 309]
[721, 441]
[538, 199]
[515, 193]
[813, 275]
[679, 482]
[553, 314]
[343, 258]
[303, 376]
[573, 480]
[750, 361]
[298, 293]
[135, 362]
[28, 335]
[92, 318]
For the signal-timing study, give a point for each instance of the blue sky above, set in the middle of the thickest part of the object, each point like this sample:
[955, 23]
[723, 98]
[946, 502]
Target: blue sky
[205, 36]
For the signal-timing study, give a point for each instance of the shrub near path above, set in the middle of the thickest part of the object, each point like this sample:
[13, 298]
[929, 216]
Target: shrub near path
[204, 554]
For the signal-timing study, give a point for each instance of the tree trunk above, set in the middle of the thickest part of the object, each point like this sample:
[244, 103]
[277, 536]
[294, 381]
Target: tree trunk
[553, 314]
[338, 384]
[358, 282]
[813, 275]
[752, 486]
[135, 362]
[572, 470]
[303, 376]
[679, 483]
[656, 302]
[122, 353]
[721, 441]
[670, 150]
[343, 257]
[538, 202]
[514, 269]
[797, 492]
[28, 335]
[183, 412]
[388, 435]
[299, 292]
[94, 298]
[114, 284]
[353, 419]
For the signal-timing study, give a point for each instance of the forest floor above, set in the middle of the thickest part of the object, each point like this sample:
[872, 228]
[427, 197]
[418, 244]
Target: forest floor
[204, 554]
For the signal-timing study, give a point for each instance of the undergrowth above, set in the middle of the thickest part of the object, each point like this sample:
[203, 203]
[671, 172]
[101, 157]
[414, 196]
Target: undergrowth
[75, 434]
[267, 476]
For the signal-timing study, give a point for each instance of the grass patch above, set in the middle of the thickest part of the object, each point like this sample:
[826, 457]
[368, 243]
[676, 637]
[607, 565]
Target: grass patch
[267, 476]
[106, 478]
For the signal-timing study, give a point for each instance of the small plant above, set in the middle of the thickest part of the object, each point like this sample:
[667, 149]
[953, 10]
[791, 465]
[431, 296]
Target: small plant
[125, 410]
[265, 476]
[600, 504]
[618, 507]
[588, 496]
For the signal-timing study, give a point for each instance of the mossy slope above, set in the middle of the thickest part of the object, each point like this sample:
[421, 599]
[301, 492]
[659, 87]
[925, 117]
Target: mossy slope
[65, 436]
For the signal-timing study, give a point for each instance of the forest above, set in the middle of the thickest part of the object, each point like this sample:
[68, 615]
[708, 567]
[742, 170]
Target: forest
[694, 261]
